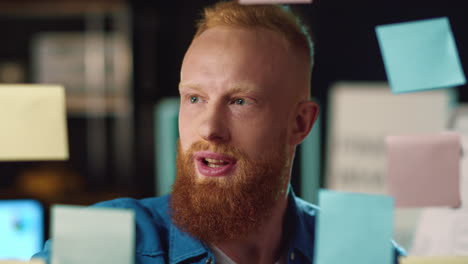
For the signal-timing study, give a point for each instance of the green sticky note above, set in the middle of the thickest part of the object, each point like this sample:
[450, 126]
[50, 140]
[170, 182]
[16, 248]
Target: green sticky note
[420, 55]
[166, 115]
[310, 164]
[354, 228]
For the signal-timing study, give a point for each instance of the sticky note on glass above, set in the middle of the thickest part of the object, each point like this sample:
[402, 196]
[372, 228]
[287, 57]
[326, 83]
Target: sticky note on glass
[441, 232]
[424, 170]
[92, 235]
[252, 2]
[433, 260]
[354, 228]
[32, 123]
[420, 55]
[32, 261]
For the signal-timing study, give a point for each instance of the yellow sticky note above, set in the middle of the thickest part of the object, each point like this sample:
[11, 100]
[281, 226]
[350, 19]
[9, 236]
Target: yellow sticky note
[433, 260]
[32, 123]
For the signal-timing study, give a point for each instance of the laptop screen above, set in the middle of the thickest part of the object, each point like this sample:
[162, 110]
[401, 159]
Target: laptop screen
[21, 228]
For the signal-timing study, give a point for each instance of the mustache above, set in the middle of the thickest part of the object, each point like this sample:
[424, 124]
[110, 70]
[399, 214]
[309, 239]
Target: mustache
[221, 148]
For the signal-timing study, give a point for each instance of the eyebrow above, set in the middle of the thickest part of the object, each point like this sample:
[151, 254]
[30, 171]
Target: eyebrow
[240, 87]
[190, 85]
[243, 87]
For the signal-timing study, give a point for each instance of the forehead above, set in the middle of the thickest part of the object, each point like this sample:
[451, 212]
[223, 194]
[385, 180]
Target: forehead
[244, 38]
[225, 54]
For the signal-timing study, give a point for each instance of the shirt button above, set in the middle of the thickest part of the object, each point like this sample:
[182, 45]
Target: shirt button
[208, 261]
[292, 256]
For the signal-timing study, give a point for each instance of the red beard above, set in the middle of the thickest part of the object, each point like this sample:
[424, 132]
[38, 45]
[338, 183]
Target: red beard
[232, 207]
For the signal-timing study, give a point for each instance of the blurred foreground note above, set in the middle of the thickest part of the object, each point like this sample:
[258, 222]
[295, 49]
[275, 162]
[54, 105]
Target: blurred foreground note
[92, 235]
[21, 228]
[32, 123]
[420, 55]
[32, 261]
[433, 260]
[354, 228]
[254, 2]
[424, 170]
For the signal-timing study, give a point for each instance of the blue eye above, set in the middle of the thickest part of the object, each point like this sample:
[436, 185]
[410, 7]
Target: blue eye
[194, 99]
[239, 101]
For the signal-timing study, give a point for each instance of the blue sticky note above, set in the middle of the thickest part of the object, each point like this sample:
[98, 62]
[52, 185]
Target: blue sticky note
[21, 229]
[420, 55]
[354, 228]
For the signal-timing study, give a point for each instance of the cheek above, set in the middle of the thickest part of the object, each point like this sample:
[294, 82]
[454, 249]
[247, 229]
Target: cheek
[184, 140]
[273, 123]
[260, 135]
[185, 123]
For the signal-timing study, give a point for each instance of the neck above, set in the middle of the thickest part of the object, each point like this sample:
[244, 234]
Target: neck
[263, 246]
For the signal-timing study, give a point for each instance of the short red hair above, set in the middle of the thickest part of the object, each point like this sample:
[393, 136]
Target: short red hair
[277, 18]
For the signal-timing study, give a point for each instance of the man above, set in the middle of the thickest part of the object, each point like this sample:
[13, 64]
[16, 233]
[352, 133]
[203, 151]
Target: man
[245, 106]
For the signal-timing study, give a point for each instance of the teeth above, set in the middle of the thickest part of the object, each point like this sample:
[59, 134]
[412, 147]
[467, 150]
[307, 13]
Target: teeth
[211, 165]
[214, 161]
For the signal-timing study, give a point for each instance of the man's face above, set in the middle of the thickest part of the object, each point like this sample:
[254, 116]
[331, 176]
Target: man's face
[234, 90]
[234, 122]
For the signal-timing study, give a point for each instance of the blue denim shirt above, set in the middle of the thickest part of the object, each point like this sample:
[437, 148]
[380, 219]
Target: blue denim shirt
[159, 241]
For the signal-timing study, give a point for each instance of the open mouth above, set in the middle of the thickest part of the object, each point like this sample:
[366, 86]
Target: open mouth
[214, 164]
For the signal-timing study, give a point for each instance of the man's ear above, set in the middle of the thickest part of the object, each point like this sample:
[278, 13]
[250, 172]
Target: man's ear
[305, 116]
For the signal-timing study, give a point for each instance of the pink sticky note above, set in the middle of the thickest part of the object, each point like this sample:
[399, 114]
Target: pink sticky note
[252, 2]
[424, 170]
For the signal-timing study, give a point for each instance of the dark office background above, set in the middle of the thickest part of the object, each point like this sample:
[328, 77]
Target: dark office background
[160, 31]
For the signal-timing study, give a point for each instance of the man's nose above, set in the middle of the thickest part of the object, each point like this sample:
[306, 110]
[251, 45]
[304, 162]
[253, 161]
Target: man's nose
[213, 126]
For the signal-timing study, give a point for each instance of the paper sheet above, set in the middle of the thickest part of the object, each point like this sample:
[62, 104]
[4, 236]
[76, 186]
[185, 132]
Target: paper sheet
[420, 55]
[92, 235]
[356, 159]
[424, 169]
[461, 126]
[433, 260]
[33, 123]
[444, 231]
[354, 228]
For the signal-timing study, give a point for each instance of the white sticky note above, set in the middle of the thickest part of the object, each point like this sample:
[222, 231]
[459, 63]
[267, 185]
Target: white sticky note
[255, 2]
[441, 232]
[92, 235]
[433, 260]
[32, 123]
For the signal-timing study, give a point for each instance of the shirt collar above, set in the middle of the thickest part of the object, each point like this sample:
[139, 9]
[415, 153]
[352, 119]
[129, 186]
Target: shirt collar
[183, 246]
